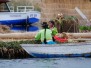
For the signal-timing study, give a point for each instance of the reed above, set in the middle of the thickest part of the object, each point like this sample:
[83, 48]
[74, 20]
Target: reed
[13, 50]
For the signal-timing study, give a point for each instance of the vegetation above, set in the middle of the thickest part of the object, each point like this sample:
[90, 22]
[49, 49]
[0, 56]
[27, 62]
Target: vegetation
[4, 29]
[13, 50]
[37, 8]
[85, 28]
[67, 24]
[16, 44]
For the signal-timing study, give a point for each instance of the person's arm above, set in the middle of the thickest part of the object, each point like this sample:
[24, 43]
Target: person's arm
[54, 32]
[38, 36]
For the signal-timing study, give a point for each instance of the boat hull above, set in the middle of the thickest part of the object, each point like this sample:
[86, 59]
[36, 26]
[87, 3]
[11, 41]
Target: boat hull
[33, 17]
[59, 50]
[14, 18]
[38, 55]
[13, 22]
[19, 18]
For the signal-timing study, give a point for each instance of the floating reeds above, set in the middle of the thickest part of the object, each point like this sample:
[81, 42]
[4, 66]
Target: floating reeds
[13, 50]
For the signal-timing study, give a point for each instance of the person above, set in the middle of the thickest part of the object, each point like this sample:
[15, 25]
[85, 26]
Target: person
[53, 28]
[59, 22]
[61, 38]
[45, 35]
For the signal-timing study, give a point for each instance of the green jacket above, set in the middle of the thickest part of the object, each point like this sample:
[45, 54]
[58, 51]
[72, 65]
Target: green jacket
[40, 35]
[54, 31]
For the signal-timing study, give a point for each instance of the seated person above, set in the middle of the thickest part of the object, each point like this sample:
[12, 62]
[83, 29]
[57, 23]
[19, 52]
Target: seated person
[61, 38]
[45, 34]
[53, 28]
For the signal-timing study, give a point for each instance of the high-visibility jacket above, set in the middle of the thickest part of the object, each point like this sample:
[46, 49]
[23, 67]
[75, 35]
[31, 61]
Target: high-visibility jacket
[54, 31]
[40, 35]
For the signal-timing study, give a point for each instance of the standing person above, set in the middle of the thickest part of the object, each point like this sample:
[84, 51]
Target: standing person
[45, 34]
[59, 22]
[53, 28]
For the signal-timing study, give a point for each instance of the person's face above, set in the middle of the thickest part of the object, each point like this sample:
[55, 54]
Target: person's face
[50, 25]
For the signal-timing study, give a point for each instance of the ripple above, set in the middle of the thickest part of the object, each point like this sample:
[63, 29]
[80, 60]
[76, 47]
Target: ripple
[47, 63]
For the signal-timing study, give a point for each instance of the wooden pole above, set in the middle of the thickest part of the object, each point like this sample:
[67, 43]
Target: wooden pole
[31, 35]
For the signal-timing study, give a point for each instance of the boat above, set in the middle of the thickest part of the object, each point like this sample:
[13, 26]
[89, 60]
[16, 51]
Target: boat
[16, 18]
[58, 50]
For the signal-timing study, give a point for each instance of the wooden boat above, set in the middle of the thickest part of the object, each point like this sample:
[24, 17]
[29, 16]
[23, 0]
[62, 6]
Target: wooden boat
[58, 50]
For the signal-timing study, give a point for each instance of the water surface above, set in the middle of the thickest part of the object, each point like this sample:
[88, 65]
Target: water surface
[47, 63]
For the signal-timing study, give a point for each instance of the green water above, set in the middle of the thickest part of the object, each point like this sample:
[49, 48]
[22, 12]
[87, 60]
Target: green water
[47, 63]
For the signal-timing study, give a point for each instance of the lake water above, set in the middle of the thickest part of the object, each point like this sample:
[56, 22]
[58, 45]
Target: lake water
[47, 63]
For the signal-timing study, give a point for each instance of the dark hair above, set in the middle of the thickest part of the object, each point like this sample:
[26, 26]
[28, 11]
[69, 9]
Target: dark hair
[44, 25]
[52, 22]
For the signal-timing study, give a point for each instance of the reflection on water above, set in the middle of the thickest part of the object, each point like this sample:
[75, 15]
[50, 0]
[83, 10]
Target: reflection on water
[47, 63]
[25, 28]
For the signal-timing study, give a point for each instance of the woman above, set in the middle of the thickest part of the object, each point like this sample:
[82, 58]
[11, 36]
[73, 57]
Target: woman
[45, 35]
[53, 28]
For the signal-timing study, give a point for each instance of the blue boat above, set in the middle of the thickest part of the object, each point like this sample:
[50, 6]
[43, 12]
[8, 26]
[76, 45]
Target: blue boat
[17, 18]
[33, 16]
[58, 50]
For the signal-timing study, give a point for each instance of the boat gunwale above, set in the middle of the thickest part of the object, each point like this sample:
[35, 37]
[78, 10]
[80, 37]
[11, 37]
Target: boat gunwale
[55, 45]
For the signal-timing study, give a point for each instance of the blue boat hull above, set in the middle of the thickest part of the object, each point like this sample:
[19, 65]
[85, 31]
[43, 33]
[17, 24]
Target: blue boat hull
[33, 20]
[19, 18]
[13, 22]
[19, 22]
[59, 55]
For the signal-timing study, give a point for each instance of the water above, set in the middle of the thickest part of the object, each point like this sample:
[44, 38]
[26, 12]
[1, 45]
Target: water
[47, 63]
[24, 28]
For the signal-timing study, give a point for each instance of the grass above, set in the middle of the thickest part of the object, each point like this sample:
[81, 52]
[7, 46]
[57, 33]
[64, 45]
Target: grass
[16, 44]
[82, 28]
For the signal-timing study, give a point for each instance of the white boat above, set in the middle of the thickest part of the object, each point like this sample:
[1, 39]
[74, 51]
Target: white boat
[16, 18]
[58, 50]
